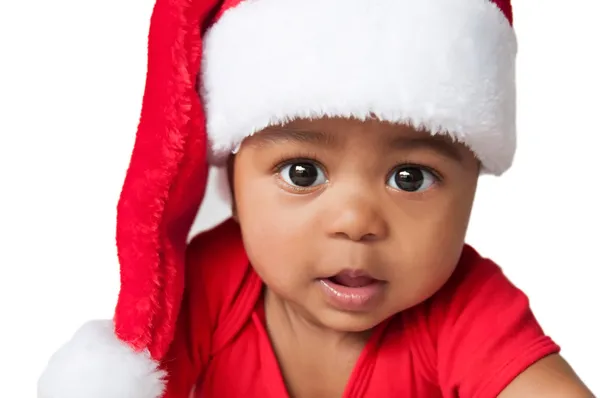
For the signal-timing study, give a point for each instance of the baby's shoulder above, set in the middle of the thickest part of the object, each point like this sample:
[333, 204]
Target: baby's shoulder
[220, 250]
[478, 315]
[478, 292]
[217, 264]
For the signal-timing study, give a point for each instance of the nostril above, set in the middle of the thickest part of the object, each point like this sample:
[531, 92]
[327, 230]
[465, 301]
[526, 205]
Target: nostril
[369, 237]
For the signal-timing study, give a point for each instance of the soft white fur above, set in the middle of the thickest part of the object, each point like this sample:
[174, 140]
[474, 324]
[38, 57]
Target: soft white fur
[95, 364]
[443, 65]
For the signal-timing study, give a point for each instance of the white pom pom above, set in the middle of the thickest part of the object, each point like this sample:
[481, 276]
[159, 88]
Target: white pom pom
[96, 364]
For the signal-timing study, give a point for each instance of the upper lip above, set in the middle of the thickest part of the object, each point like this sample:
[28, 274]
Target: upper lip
[352, 272]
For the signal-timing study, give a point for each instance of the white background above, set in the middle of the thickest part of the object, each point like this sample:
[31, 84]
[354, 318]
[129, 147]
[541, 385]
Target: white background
[72, 76]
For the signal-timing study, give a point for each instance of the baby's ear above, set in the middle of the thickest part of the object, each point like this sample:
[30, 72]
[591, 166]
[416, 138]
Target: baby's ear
[234, 214]
[230, 163]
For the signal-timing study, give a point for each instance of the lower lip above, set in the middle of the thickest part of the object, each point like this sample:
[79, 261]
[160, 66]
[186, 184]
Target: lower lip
[354, 299]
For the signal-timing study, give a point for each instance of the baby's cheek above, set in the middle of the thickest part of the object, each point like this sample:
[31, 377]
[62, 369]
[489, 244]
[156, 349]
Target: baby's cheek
[275, 254]
[424, 278]
[431, 279]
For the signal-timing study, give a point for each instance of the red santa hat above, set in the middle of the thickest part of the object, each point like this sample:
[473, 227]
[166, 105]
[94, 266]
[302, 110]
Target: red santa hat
[219, 71]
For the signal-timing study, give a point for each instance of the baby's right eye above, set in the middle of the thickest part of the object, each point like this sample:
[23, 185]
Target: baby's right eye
[302, 174]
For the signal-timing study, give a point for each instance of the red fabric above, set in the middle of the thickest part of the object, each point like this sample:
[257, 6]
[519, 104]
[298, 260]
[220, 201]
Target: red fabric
[166, 179]
[469, 340]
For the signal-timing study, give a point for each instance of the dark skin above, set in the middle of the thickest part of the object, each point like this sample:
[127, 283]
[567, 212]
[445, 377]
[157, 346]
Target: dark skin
[383, 198]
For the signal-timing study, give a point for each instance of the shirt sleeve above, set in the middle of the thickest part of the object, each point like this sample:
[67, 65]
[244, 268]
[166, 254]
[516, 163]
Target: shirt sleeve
[487, 333]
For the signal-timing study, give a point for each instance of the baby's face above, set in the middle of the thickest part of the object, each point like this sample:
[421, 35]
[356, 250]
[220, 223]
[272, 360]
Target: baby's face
[352, 222]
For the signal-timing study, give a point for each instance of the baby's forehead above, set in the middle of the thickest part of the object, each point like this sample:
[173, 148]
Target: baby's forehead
[336, 132]
[339, 129]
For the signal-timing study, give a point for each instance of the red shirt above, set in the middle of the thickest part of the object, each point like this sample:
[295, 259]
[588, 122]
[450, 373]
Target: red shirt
[469, 340]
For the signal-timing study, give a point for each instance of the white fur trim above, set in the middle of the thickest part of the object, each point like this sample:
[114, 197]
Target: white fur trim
[96, 364]
[444, 65]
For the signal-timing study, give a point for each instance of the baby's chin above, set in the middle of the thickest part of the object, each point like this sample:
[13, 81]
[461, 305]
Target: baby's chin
[352, 322]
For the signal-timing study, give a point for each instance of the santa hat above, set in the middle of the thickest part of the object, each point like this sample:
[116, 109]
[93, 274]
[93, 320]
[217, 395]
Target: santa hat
[220, 71]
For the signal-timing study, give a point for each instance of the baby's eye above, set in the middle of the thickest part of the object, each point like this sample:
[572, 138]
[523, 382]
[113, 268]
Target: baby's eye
[411, 179]
[303, 174]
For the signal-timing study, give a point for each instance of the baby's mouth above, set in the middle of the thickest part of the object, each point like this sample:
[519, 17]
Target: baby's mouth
[353, 290]
[349, 280]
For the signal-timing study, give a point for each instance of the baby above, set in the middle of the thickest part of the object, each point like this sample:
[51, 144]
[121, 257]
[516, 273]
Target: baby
[353, 133]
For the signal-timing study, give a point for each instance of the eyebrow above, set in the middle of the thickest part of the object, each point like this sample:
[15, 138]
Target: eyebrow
[439, 143]
[280, 135]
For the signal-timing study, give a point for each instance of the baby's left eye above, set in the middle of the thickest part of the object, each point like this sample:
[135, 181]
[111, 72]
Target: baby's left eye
[411, 179]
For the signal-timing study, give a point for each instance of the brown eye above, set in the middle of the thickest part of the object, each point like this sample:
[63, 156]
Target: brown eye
[411, 179]
[302, 174]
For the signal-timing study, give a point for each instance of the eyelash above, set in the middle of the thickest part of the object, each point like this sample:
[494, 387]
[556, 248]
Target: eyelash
[287, 159]
[438, 176]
